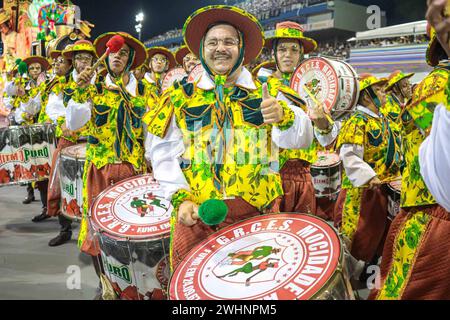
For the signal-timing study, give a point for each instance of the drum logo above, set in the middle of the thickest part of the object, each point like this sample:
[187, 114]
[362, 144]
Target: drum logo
[24, 155]
[12, 157]
[40, 153]
[69, 189]
[120, 272]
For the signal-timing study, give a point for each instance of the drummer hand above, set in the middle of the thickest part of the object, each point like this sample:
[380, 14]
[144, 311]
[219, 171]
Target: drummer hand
[374, 182]
[188, 213]
[271, 110]
[85, 77]
[441, 23]
[20, 91]
[319, 116]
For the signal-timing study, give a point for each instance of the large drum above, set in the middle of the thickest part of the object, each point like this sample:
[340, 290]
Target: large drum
[26, 153]
[195, 73]
[280, 257]
[333, 83]
[327, 175]
[71, 168]
[133, 225]
[394, 193]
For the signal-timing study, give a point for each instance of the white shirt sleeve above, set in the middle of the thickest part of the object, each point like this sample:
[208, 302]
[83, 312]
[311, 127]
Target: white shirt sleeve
[11, 88]
[8, 102]
[165, 156]
[357, 170]
[77, 114]
[326, 139]
[300, 135]
[55, 107]
[434, 158]
[18, 114]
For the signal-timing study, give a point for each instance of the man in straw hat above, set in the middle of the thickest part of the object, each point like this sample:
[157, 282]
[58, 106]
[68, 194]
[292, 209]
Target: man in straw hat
[416, 255]
[186, 58]
[228, 123]
[53, 111]
[160, 60]
[370, 152]
[104, 111]
[28, 105]
[398, 94]
[9, 38]
[288, 47]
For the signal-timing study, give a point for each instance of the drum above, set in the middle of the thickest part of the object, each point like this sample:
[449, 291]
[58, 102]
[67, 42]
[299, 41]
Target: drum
[71, 168]
[327, 175]
[279, 257]
[176, 74]
[394, 192]
[333, 83]
[26, 153]
[195, 73]
[133, 225]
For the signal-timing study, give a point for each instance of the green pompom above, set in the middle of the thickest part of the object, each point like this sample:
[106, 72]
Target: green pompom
[22, 68]
[213, 212]
[18, 61]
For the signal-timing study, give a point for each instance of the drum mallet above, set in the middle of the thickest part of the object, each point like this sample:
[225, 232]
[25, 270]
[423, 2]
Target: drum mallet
[314, 99]
[213, 212]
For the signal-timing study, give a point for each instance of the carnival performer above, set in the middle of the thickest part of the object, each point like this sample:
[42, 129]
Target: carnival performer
[213, 139]
[371, 156]
[110, 113]
[186, 59]
[288, 47]
[160, 60]
[416, 255]
[398, 95]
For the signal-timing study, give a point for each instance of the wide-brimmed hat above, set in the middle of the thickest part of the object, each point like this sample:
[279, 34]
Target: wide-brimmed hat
[58, 45]
[165, 52]
[5, 16]
[139, 48]
[292, 30]
[435, 52]
[201, 20]
[396, 77]
[367, 80]
[38, 59]
[79, 46]
[266, 64]
[182, 52]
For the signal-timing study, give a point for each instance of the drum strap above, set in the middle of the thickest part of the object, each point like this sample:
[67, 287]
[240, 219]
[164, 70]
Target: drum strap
[373, 96]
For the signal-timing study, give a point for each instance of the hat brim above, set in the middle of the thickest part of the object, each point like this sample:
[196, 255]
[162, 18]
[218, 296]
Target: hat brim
[139, 48]
[379, 82]
[407, 76]
[55, 54]
[309, 45]
[36, 59]
[198, 23]
[165, 52]
[435, 52]
[180, 54]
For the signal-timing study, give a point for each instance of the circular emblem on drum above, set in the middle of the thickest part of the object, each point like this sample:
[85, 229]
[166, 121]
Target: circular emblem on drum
[176, 74]
[195, 73]
[333, 83]
[283, 257]
[132, 208]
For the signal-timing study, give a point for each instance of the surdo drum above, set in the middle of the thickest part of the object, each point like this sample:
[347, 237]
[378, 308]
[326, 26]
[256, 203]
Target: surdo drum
[195, 73]
[327, 175]
[281, 257]
[26, 153]
[333, 83]
[71, 168]
[176, 74]
[132, 222]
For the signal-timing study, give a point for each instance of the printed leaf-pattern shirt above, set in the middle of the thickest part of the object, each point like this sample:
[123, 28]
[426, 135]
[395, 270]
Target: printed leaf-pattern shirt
[416, 121]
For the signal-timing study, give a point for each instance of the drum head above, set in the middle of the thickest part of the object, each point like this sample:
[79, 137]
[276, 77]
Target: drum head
[282, 256]
[176, 74]
[326, 159]
[396, 185]
[77, 151]
[134, 209]
[195, 73]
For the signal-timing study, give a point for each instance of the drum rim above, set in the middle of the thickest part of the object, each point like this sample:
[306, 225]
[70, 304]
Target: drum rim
[137, 238]
[338, 269]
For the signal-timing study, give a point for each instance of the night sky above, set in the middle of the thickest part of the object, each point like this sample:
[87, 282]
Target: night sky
[163, 15]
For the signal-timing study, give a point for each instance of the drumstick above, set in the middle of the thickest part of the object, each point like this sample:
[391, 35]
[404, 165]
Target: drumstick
[313, 98]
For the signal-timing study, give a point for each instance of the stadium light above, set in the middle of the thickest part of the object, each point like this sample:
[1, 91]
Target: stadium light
[139, 19]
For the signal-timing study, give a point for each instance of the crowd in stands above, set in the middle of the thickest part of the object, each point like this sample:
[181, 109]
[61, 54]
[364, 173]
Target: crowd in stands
[386, 42]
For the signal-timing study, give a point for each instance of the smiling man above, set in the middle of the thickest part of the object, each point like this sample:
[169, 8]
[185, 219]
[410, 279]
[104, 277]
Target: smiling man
[215, 139]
